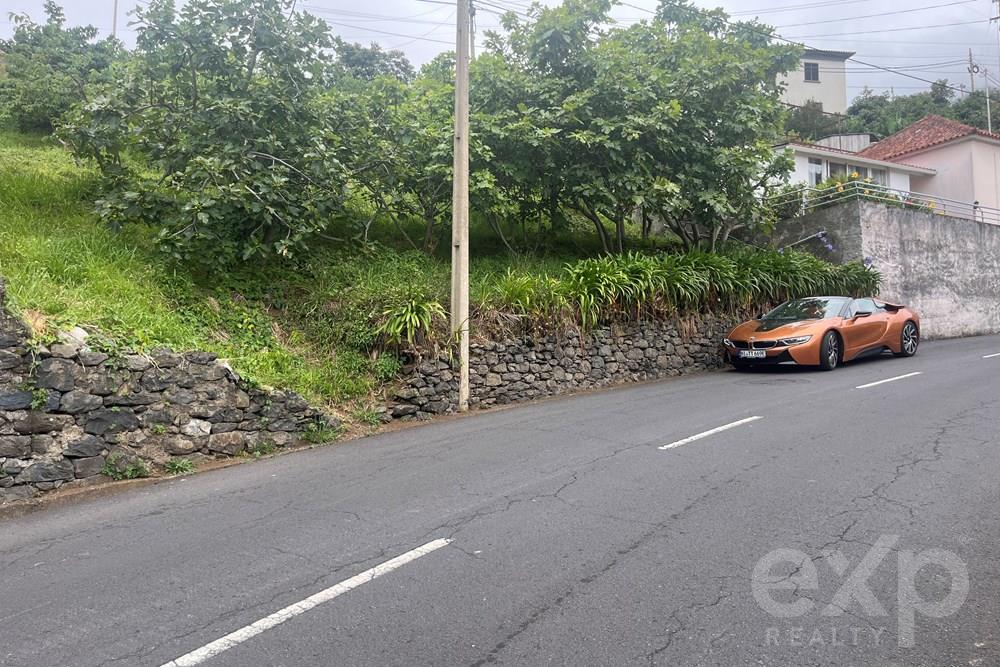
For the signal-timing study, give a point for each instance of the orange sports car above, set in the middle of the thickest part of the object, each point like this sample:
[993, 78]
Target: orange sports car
[824, 331]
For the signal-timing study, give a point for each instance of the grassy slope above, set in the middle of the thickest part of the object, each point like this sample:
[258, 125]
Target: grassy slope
[64, 269]
[296, 325]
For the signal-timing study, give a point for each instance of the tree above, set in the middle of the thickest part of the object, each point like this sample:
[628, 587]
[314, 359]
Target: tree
[234, 156]
[50, 68]
[971, 109]
[370, 62]
[604, 122]
[810, 122]
[882, 114]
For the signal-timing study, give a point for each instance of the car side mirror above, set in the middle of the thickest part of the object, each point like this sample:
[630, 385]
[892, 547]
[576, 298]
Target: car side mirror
[862, 313]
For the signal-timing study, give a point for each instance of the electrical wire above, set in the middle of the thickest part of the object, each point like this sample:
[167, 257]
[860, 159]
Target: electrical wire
[870, 16]
[878, 32]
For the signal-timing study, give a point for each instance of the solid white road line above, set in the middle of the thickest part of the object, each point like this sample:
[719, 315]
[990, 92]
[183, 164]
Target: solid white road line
[898, 377]
[990, 356]
[239, 636]
[719, 429]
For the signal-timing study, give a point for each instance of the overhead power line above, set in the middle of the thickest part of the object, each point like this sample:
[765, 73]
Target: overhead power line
[790, 8]
[878, 32]
[793, 42]
[870, 16]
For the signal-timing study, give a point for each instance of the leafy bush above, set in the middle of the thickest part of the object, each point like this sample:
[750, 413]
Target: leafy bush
[232, 155]
[50, 68]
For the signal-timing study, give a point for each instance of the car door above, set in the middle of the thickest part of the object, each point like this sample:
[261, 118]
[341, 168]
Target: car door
[861, 333]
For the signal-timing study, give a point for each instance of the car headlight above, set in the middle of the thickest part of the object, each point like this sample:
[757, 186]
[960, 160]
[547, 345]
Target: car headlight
[794, 340]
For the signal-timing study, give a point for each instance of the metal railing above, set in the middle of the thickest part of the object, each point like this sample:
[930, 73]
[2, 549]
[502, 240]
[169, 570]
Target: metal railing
[816, 198]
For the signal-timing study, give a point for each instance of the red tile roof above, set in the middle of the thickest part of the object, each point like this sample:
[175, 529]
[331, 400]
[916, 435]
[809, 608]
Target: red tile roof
[841, 151]
[929, 131]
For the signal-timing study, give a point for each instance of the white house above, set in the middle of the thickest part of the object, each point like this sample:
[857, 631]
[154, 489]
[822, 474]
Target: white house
[814, 163]
[820, 78]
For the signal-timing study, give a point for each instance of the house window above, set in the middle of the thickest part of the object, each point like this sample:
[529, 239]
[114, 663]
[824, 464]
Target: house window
[812, 72]
[838, 169]
[862, 172]
[815, 171]
[880, 176]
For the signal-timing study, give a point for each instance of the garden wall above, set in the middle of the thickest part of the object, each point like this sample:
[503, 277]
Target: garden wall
[946, 268]
[67, 410]
[527, 368]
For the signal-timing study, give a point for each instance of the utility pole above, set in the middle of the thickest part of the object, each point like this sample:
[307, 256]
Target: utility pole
[992, 19]
[986, 87]
[114, 20]
[460, 205]
[472, 30]
[973, 70]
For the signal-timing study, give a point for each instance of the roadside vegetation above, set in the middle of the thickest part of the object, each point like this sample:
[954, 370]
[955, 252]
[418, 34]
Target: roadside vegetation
[288, 210]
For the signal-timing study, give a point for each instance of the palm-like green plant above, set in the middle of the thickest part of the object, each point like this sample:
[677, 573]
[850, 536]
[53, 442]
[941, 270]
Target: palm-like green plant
[410, 318]
[636, 285]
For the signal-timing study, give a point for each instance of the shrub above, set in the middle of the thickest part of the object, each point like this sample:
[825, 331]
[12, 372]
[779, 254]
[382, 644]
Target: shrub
[232, 154]
[635, 286]
[410, 319]
[50, 68]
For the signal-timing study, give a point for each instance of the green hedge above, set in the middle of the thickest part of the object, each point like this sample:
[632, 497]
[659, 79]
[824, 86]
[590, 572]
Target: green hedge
[637, 286]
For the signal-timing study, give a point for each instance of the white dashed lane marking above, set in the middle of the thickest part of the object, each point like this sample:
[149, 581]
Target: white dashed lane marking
[713, 431]
[898, 377]
[237, 637]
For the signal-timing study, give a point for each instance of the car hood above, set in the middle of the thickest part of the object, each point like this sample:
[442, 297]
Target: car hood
[772, 330]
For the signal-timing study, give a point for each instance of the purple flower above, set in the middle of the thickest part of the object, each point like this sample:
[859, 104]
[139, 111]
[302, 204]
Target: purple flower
[829, 246]
[869, 261]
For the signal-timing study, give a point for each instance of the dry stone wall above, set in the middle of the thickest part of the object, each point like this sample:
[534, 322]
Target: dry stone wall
[68, 409]
[511, 371]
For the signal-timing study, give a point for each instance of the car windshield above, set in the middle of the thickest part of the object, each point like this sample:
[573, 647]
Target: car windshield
[814, 308]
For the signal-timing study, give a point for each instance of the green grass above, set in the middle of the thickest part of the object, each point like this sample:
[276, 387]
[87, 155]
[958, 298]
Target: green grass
[276, 326]
[179, 466]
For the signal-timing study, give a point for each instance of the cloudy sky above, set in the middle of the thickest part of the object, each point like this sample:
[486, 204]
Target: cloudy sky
[923, 38]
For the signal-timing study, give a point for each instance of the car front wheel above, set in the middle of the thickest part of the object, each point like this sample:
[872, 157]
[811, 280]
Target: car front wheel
[829, 351]
[909, 340]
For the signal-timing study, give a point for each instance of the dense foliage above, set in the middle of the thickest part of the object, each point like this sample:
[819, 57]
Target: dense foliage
[241, 129]
[636, 286]
[234, 156]
[50, 67]
[616, 125]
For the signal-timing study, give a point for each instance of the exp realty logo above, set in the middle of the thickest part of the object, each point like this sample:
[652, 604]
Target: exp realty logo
[804, 576]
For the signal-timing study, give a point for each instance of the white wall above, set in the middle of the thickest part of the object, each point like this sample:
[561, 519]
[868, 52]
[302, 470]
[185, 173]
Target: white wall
[830, 90]
[986, 172]
[898, 180]
[954, 177]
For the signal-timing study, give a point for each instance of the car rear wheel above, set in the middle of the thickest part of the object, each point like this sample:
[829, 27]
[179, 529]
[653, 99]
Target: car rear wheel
[829, 351]
[909, 340]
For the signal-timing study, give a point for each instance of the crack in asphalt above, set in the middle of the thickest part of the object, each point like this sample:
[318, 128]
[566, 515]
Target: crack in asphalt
[610, 561]
[682, 625]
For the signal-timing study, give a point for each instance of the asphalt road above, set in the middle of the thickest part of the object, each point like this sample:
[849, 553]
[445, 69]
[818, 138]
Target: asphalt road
[574, 538]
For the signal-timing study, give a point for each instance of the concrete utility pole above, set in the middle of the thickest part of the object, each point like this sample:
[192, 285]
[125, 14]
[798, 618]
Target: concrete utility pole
[460, 205]
[973, 71]
[114, 20]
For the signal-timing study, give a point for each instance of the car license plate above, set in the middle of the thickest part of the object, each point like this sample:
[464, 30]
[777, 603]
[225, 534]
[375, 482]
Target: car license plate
[753, 354]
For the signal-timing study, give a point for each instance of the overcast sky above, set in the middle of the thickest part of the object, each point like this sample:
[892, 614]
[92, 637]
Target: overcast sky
[925, 38]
